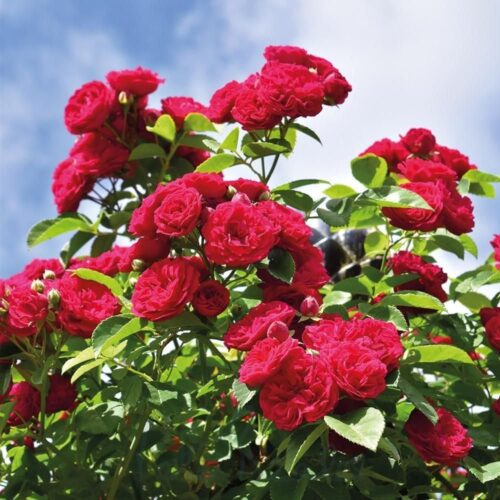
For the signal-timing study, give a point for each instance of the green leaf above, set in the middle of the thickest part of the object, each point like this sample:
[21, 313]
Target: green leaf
[196, 122]
[102, 244]
[436, 354]
[242, 393]
[414, 395]
[336, 297]
[390, 314]
[339, 191]
[469, 244]
[300, 183]
[395, 196]
[387, 446]
[260, 149]
[185, 319]
[86, 368]
[450, 244]
[484, 473]
[200, 141]
[76, 242]
[364, 426]
[474, 301]
[5, 378]
[306, 131]
[164, 127]
[159, 395]
[113, 330]
[482, 189]
[5, 410]
[147, 150]
[300, 444]
[333, 219]
[474, 282]
[296, 199]
[478, 176]
[352, 285]
[288, 489]
[83, 356]
[217, 163]
[370, 170]
[50, 228]
[375, 242]
[281, 265]
[103, 279]
[413, 299]
[230, 142]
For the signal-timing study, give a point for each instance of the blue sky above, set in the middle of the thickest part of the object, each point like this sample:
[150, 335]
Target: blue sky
[411, 63]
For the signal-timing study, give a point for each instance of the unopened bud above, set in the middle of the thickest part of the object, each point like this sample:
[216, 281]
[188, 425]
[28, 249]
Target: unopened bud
[309, 307]
[278, 330]
[266, 195]
[231, 191]
[138, 265]
[54, 298]
[37, 286]
[48, 274]
[124, 99]
[132, 281]
[241, 198]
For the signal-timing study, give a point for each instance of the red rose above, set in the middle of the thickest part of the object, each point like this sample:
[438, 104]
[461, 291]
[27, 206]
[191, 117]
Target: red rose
[266, 358]
[446, 442]
[211, 298]
[295, 233]
[392, 152]
[431, 277]
[419, 141]
[179, 107]
[357, 370]
[253, 189]
[208, 185]
[95, 155]
[420, 219]
[26, 403]
[179, 211]
[495, 406]
[237, 235]
[303, 389]
[107, 263]
[148, 250]
[458, 216]
[139, 81]
[292, 294]
[251, 110]
[70, 186]
[287, 54]
[164, 289]
[192, 155]
[88, 108]
[441, 339]
[253, 327]
[418, 170]
[324, 334]
[142, 221]
[454, 159]
[336, 441]
[84, 304]
[309, 307]
[27, 309]
[35, 270]
[291, 90]
[222, 102]
[61, 396]
[495, 243]
[309, 267]
[336, 87]
[490, 318]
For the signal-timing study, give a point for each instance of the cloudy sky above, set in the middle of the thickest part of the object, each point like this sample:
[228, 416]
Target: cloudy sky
[411, 63]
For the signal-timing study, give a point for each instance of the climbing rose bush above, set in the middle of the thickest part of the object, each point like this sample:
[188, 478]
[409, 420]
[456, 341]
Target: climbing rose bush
[196, 339]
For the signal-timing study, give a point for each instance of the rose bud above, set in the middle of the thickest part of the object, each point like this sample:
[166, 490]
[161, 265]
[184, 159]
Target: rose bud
[241, 198]
[309, 307]
[48, 274]
[54, 298]
[37, 286]
[123, 98]
[231, 191]
[61, 395]
[266, 195]
[138, 265]
[278, 330]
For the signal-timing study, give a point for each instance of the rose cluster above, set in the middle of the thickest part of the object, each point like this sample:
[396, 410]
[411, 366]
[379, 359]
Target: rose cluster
[431, 171]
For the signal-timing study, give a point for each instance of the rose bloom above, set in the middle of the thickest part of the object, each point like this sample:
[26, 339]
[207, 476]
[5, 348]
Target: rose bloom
[61, 395]
[324, 334]
[357, 370]
[179, 107]
[84, 304]
[209, 185]
[454, 159]
[164, 289]
[458, 216]
[222, 102]
[418, 170]
[490, 318]
[253, 189]
[265, 358]
[26, 401]
[292, 295]
[446, 443]
[309, 266]
[179, 211]
[211, 298]
[302, 390]
[148, 250]
[420, 219]
[419, 141]
[27, 309]
[253, 327]
[139, 81]
[142, 221]
[392, 152]
[495, 243]
[95, 155]
[431, 277]
[70, 186]
[291, 90]
[237, 235]
[107, 263]
[88, 108]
